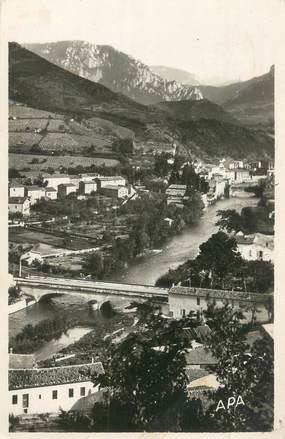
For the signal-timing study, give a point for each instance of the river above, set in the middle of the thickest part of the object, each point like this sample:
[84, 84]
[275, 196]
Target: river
[182, 247]
[143, 271]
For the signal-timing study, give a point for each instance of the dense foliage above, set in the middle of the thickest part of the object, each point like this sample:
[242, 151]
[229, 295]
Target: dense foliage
[219, 265]
[242, 370]
[144, 385]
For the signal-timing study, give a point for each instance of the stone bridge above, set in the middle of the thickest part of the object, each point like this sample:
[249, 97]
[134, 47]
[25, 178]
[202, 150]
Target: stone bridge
[39, 287]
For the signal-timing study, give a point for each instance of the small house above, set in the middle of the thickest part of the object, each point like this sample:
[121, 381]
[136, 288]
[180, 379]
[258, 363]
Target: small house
[66, 189]
[19, 205]
[34, 193]
[51, 193]
[16, 189]
[115, 192]
[87, 187]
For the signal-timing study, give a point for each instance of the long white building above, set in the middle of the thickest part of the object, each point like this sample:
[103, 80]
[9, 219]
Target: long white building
[47, 390]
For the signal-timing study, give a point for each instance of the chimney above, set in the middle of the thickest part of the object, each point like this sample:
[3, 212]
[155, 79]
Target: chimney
[92, 360]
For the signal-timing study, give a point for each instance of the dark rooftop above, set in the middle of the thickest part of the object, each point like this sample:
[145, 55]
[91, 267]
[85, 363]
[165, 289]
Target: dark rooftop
[200, 355]
[21, 361]
[194, 374]
[27, 378]
[17, 200]
[50, 189]
[218, 294]
[15, 184]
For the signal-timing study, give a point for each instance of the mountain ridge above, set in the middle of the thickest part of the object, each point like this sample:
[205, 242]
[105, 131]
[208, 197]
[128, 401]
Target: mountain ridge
[40, 84]
[114, 69]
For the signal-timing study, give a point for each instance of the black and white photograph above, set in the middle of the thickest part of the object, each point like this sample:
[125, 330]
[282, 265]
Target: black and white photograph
[141, 215]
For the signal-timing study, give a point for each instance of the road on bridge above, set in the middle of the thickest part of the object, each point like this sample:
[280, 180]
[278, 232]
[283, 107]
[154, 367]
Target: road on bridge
[54, 282]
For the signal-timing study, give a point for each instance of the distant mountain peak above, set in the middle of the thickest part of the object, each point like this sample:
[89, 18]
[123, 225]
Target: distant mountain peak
[116, 70]
[196, 94]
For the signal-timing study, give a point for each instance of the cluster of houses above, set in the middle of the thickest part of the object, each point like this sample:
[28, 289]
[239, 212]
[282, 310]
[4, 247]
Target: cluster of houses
[57, 186]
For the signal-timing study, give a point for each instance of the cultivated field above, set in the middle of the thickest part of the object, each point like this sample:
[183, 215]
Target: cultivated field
[21, 161]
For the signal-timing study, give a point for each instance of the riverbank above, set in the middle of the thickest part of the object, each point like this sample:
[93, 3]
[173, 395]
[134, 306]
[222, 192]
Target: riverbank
[20, 304]
[181, 247]
[142, 271]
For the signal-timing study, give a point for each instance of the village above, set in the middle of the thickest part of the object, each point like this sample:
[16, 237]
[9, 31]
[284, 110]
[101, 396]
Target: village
[56, 243]
[141, 218]
[66, 236]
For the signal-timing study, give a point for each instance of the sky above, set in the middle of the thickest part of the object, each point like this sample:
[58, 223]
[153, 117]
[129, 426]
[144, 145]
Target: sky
[216, 40]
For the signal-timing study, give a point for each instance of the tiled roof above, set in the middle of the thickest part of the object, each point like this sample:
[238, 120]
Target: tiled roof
[243, 239]
[177, 186]
[21, 361]
[194, 374]
[35, 188]
[202, 331]
[67, 185]
[200, 355]
[17, 200]
[15, 184]
[50, 189]
[47, 176]
[109, 178]
[113, 187]
[27, 378]
[218, 294]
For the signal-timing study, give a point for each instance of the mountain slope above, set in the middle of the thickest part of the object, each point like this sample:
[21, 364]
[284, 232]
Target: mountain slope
[43, 85]
[251, 102]
[172, 74]
[195, 110]
[39, 83]
[114, 69]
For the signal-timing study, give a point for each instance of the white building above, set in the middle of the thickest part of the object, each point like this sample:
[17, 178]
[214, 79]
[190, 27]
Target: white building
[183, 300]
[75, 179]
[89, 177]
[236, 164]
[115, 180]
[66, 189]
[116, 192]
[238, 175]
[56, 179]
[51, 193]
[19, 205]
[16, 189]
[254, 247]
[87, 187]
[34, 193]
[47, 390]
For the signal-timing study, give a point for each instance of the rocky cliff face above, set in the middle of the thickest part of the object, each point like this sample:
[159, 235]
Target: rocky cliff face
[116, 70]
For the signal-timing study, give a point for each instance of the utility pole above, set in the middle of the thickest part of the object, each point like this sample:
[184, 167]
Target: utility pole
[20, 266]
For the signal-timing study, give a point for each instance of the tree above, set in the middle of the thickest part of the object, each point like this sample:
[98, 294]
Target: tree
[14, 173]
[144, 384]
[219, 255]
[123, 146]
[249, 219]
[161, 165]
[133, 376]
[94, 264]
[193, 207]
[261, 273]
[230, 220]
[241, 370]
